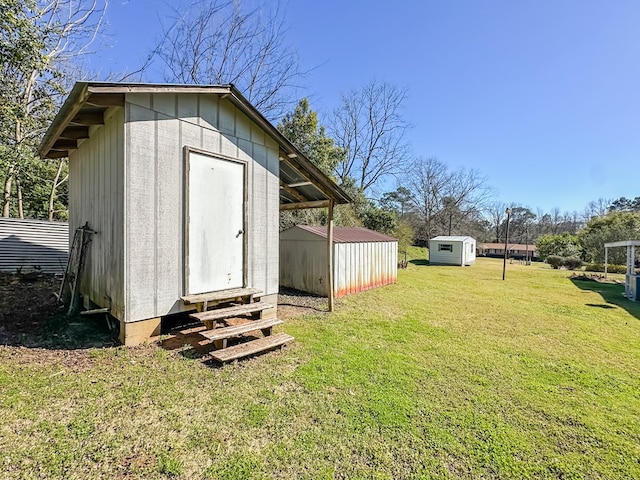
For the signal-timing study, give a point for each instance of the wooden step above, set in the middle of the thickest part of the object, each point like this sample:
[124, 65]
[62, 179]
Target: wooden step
[220, 296]
[236, 330]
[249, 348]
[228, 312]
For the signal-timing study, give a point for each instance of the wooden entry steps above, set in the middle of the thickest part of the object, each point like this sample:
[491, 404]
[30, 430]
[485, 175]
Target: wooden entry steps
[222, 313]
[239, 294]
[211, 313]
[221, 335]
[249, 348]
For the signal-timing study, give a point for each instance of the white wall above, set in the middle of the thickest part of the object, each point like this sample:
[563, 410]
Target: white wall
[96, 195]
[157, 128]
[357, 266]
[127, 181]
[437, 257]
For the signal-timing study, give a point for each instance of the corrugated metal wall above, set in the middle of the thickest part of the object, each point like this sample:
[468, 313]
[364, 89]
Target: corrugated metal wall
[29, 243]
[357, 266]
[362, 266]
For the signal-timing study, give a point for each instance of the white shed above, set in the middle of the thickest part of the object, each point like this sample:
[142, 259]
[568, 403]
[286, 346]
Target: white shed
[363, 259]
[183, 184]
[452, 250]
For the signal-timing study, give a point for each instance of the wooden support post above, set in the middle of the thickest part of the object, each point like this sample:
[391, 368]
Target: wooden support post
[330, 255]
[606, 260]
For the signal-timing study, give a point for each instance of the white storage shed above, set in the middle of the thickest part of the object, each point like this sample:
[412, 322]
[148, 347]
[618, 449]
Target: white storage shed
[363, 259]
[183, 184]
[452, 250]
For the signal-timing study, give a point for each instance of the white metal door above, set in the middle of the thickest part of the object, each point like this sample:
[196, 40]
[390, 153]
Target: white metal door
[215, 230]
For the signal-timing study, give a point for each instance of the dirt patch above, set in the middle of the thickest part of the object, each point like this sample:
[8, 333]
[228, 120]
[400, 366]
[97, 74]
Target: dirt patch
[593, 277]
[292, 303]
[31, 316]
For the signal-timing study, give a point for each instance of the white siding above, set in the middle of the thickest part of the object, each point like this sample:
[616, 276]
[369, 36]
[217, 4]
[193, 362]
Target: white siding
[463, 252]
[155, 139]
[96, 196]
[357, 266]
[31, 243]
[441, 257]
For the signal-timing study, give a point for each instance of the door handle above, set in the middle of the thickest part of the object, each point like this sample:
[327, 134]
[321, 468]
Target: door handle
[240, 232]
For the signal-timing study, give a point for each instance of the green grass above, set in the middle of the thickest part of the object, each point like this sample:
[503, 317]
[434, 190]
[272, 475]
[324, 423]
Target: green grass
[451, 373]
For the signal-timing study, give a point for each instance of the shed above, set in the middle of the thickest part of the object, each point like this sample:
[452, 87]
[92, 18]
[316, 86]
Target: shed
[363, 259]
[452, 250]
[183, 184]
[632, 280]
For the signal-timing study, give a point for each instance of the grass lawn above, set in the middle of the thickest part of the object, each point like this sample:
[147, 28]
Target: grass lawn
[451, 373]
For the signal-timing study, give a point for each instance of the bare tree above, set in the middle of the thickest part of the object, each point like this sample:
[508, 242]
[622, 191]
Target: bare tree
[39, 41]
[446, 201]
[219, 42]
[427, 182]
[596, 208]
[496, 212]
[368, 124]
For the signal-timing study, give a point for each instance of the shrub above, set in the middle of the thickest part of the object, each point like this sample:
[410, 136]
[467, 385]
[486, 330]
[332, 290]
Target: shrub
[555, 261]
[599, 267]
[572, 263]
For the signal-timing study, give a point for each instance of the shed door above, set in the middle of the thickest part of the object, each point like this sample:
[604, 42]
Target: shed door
[215, 224]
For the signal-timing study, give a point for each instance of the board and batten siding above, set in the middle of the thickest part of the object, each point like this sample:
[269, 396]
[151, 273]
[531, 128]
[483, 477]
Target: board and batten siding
[96, 196]
[26, 243]
[157, 128]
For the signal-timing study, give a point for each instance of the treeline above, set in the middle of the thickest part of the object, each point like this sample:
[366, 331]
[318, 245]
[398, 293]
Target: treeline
[361, 143]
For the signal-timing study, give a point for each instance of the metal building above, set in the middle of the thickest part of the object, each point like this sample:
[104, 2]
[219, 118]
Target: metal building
[363, 259]
[33, 243]
[452, 250]
[183, 184]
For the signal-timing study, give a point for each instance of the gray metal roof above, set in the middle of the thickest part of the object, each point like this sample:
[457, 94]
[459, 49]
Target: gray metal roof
[349, 234]
[302, 184]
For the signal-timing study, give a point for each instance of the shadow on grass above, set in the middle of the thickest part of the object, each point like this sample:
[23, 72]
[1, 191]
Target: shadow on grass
[419, 262]
[611, 293]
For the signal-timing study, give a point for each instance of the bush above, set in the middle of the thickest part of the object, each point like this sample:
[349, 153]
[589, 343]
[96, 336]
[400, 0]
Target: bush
[599, 267]
[572, 263]
[555, 261]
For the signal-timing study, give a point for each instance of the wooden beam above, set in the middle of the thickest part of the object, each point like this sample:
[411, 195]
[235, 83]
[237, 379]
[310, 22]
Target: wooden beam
[64, 144]
[299, 184]
[106, 99]
[75, 133]
[330, 254]
[292, 192]
[57, 154]
[301, 205]
[88, 118]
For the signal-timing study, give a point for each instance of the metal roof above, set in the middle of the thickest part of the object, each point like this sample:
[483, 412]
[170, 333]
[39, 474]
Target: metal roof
[349, 234]
[302, 184]
[452, 238]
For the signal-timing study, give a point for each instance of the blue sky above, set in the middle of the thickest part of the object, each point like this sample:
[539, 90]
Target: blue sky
[541, 97]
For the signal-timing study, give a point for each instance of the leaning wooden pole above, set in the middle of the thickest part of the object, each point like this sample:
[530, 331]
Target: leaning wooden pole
[330, 255]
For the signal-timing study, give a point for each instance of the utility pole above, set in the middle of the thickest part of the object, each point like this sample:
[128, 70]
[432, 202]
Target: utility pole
[506, 241]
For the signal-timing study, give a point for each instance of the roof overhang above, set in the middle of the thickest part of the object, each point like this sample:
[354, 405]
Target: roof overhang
[302, 184]
[624, 243]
